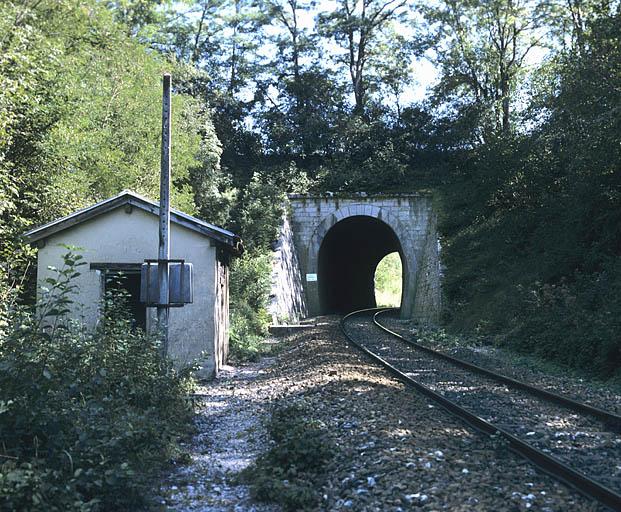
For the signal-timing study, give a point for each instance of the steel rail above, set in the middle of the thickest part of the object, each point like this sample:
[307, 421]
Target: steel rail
[547, 463]
[610, 419]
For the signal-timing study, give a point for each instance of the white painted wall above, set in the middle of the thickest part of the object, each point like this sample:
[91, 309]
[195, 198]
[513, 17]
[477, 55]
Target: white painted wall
[120, 237]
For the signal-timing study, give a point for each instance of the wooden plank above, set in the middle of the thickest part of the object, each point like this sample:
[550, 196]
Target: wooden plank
[116, 267]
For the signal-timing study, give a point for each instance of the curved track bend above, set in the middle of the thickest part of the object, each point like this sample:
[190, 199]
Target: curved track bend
[572, 441]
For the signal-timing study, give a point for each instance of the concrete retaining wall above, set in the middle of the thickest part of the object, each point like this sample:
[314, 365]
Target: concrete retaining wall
[287, 298]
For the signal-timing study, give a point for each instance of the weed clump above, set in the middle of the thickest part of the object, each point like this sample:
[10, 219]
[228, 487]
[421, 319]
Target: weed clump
[250, 287]
[292, 471]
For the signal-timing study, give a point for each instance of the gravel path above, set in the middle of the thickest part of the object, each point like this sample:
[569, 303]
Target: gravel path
[396, 450]
[580, 441]
[230, 435]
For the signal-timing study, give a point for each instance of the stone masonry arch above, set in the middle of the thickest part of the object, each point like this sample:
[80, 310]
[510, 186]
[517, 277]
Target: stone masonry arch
[309, 219]
[408, 255]
[354, 210]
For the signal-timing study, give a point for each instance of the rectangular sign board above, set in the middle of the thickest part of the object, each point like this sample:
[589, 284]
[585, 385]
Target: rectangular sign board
[311, 277]
[180, 284]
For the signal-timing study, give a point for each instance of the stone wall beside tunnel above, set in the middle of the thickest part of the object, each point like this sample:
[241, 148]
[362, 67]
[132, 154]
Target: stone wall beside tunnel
[287, 302]
[410, 217]
[428, 304]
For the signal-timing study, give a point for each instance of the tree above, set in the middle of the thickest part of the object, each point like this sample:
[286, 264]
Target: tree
[292, 41]
[393, 69]
[135, 14]
[191, 31]
[482, 50]
[29, 107]
[572, 20]
[359, 27]
[80, 119]
[108, 138]
[299, 101]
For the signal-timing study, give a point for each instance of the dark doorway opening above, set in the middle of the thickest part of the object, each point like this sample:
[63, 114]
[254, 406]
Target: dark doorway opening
[348, 257]
[125, 284]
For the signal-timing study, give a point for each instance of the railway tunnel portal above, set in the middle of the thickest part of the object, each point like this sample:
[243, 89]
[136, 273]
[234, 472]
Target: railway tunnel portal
[347, 259]
[329, 248]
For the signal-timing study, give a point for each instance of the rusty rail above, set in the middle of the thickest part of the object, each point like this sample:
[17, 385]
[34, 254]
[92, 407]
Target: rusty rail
[551, 465]
[611, 419]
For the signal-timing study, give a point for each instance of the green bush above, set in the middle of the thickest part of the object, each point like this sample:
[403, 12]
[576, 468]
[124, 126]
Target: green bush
[584, 313]
[246, 333]
[86, 418]
[250, 287]
[292, 471]
[258, 217]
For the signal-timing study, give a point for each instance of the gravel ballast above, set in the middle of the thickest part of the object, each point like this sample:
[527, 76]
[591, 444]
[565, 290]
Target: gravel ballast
[513, 365]
[230, 435]
[579, 441]
[395, 450]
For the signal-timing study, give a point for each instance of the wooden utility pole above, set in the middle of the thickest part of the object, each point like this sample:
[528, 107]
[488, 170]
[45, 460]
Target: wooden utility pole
[164, 228]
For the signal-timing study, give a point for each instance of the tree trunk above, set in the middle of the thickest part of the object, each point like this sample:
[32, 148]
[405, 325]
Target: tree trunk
[506, 104]
[195, 53]
[233, 76]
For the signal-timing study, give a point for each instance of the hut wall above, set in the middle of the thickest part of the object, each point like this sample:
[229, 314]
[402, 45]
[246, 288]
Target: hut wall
[130, 236]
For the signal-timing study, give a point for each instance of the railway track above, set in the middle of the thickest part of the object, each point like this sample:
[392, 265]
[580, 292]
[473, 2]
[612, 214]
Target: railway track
[570, 440]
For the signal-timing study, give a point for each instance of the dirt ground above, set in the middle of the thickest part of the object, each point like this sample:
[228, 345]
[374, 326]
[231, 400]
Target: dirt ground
[395, 450]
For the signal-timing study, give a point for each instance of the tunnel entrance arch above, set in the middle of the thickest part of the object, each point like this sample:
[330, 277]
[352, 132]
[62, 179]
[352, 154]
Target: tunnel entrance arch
[403, 221]
[348, 257]
[383, 217]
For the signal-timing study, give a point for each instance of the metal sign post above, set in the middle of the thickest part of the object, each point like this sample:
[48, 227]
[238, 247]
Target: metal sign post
[172, 285]
[164, 225]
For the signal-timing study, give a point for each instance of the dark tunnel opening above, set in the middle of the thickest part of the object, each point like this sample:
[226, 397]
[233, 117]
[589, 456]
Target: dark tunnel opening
[348, 257]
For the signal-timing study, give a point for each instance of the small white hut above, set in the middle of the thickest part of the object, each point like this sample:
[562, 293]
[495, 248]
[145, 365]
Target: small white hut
[116, 236]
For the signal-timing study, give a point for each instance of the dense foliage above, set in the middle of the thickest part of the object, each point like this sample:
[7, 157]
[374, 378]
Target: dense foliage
[86, 418]
[79, 119]
[250, 287]
[533, 219]
[520, 135]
